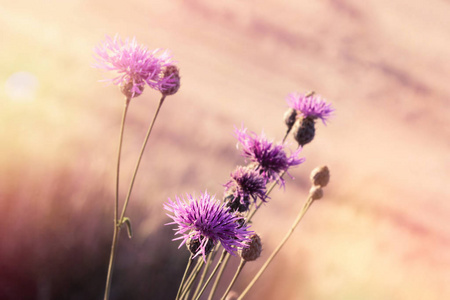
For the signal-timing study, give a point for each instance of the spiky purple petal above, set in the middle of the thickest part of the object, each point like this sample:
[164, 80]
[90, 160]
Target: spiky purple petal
[246, 183]
[270, 159]
[310, 105]
[133, 63]
[206, 218]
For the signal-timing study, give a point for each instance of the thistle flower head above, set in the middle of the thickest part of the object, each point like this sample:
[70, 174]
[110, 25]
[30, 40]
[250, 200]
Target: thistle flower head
[206, 221]
[246, 183]
[134, 64]
[270, 159]
[310, 105]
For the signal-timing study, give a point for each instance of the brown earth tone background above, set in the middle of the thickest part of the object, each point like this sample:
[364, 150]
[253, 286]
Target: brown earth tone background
[382, 230]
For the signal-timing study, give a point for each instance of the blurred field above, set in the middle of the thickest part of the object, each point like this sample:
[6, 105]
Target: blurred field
[381, 232]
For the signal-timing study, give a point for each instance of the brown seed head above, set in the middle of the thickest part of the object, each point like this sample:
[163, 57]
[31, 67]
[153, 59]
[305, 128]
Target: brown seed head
[320, 176]
[304, 130]
[253, 251]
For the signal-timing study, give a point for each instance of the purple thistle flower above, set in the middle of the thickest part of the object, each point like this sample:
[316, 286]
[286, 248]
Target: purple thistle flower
[134, 63]
[207, 220]
[270, 158]
[311, 105]
[246, 183]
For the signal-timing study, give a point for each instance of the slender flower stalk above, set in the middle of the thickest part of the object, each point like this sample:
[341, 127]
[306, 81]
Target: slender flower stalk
[238, 271]
[119, 221]
[275, 252]
[187, 287]
[205, 270]
[224, 253]
[219, 276]
[116, 206]
[141, 154]
[319, 179]
[135, 67]
[184, 276]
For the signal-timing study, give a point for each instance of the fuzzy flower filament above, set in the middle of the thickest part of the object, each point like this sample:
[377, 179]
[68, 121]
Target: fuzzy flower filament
[134, 64]
[270, 159]
[310, 106]
[207, 221]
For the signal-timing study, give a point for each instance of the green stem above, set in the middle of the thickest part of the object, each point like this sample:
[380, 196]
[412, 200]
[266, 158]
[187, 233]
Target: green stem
[238, 271]
[127, 199]
[275, 252]
[116, 206]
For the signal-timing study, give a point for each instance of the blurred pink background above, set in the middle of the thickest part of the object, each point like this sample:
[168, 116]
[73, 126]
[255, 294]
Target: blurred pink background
[382, 229]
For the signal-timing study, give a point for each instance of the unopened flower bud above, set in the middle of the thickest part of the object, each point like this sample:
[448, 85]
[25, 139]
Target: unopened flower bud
[304, 130]
[316, 192]
[289, 117]
[171, 80]
[253, 251]
[320, 176]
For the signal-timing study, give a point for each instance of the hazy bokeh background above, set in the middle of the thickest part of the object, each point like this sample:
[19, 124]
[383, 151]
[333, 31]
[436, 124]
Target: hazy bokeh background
[381, 232]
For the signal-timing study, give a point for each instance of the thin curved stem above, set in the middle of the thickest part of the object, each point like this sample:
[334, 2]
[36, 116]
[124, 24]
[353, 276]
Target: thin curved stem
[238, 271]
[116, 206]
[269, 190]
[127, 199]
[275, 252]
[287, 134]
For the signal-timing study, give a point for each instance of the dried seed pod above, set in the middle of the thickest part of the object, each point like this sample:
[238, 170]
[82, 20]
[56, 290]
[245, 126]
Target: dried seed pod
[316, 192]
[304, 130]
[253, 251]
[320, 176]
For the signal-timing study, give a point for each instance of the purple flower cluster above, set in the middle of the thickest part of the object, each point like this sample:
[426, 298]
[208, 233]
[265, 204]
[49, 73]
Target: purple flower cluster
[270, 159]
[246, 183]
[135, 64]
[310, 105]
[208, 221]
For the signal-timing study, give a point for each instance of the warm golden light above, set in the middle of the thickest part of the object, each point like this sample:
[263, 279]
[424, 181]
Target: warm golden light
[21, 87]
